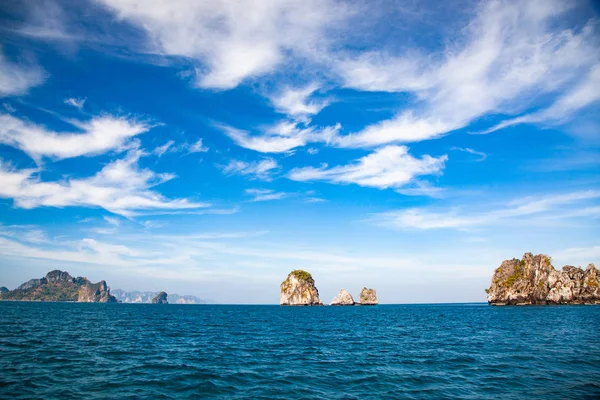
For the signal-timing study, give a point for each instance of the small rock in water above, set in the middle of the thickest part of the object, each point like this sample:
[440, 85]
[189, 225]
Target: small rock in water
[342, 299]
[368, 297]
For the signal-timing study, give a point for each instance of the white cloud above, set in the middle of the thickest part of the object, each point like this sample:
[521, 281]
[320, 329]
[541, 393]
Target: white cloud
[24, 233]
[403, 128]
[578, 97]
[121, 187]
[511, 55]
[99, 135]
[294, 102]
[112, 221]
[75, 102]
[547, 207]
[197, 147]
[482, 156]
[16, 78]
[387, 167]
[231, 41]
[187, 148]
[280, 138]
[259, 169]
[312, 151]
[264, 195]
[160, 150]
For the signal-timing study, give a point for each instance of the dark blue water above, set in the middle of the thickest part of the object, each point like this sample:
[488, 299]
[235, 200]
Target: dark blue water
[98, 351]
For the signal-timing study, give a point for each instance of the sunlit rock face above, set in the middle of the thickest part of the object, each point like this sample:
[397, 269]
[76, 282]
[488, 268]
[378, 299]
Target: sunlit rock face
[533, 280]
[299, 289]
[342, 299]
[60, 286]
[368, 297]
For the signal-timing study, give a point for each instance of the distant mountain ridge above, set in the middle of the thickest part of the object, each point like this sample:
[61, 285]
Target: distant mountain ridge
[147, 297]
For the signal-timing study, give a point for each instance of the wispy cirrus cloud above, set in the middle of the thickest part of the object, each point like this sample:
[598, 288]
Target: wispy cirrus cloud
[97, 136]
[121, 187]
[296, 103]
[509, 52]
[186, 148]
[230, 43]
[17, 77]
[480, 154]
[280, 138]
[583, 94]
[387, 167]
[75, 102]
[264, 195]
[262, 169]
[555, 206]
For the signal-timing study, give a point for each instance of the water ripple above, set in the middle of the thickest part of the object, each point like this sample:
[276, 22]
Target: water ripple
[98, 351]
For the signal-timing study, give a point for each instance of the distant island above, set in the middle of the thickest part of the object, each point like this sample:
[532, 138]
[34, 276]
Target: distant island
[299, 289]
[61, 286]
[533, 280]
[160, 298]
[146, 297]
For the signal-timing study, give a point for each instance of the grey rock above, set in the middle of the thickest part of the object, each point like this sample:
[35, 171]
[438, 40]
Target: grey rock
[342, 299]
[533, 280]
[161, 298]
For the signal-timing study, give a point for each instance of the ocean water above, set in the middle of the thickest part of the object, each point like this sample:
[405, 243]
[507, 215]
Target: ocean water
[128, 351]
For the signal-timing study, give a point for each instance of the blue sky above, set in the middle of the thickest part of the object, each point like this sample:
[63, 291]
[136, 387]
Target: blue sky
[210, 147]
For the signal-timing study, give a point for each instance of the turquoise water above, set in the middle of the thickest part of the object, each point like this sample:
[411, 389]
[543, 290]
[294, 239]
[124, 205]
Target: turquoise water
[127, 351]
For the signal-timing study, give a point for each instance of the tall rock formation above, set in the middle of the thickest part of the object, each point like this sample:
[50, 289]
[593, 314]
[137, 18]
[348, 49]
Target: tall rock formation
[368, 297]
[160, 298]
[60, 286]
[342, 299]
[533, 280]
[299, 289]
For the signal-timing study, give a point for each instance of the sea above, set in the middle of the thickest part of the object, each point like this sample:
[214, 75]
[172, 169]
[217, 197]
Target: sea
[434, 351]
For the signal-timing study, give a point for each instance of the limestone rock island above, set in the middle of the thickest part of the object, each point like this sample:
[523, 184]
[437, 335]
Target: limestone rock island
[160, 298]
[299, 289]
[342, 299]
[533, 280]
[60, 286]
[368, 297]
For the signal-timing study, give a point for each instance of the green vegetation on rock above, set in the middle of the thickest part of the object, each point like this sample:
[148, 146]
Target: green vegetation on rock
[60, 286]
[302, 275]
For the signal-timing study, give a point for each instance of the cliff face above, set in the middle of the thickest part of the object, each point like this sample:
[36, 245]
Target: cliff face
[160, 298]
[368, 297]
[60, 286]
[533, 280]
[299, 290]
[342, 299]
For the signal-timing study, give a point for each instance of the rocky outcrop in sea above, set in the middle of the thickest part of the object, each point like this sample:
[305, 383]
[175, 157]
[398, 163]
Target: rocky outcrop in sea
[160, 298]
[533, 280]
[342, 299]
[368, 297]
[299, 289]
[60, 286]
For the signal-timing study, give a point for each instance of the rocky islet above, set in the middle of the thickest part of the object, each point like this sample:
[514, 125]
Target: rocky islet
[534, 280]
